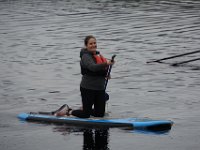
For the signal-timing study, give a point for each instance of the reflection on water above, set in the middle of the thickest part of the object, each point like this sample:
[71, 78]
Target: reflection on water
[93, 138]
[97, 139]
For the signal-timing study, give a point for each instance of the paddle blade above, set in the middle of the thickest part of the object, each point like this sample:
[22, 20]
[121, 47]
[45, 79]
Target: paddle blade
[106, 96]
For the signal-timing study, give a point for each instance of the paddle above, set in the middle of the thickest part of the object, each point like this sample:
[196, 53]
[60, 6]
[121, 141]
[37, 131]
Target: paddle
[183, 62]
[107, 76]
[180, 55]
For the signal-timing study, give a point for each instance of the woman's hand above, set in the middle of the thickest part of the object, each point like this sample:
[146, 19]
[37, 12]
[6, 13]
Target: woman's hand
[109, 62]
[108, 77]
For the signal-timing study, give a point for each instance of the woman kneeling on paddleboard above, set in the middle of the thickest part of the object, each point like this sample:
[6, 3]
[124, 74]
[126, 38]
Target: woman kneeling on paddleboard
[94, 69]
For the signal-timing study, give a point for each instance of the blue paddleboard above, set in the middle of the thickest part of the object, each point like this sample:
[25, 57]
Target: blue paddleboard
[135, 123]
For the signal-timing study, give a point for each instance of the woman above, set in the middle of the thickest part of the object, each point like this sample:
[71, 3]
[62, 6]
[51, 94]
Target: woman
[93, 69]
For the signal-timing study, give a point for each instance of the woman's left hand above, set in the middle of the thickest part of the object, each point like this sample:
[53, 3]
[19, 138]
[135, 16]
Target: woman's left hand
[109, 77]
[109, 62]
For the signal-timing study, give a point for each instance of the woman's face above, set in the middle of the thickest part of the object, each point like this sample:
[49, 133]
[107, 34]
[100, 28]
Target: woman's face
[91, 45]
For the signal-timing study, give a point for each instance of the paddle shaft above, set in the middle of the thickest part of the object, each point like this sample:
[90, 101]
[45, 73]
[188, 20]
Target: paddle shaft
[180, 55]
[183, 62]
[109, 70]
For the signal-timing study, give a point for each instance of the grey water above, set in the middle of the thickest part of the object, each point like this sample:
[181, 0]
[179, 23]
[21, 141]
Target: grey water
[40, 42]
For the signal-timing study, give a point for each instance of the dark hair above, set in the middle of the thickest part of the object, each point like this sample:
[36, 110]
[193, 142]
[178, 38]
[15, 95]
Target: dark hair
[87, 38]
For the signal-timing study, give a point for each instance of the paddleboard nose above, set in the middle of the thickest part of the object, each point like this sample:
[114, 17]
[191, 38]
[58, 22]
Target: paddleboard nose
[23, 116]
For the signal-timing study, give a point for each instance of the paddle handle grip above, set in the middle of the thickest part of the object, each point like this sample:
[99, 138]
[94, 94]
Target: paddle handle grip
[113, 57]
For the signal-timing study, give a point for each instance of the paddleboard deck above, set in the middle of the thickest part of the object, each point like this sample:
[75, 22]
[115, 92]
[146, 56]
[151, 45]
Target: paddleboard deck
[135, 123]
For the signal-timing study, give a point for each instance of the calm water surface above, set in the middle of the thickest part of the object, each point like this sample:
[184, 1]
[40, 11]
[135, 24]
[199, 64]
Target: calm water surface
[40, 42]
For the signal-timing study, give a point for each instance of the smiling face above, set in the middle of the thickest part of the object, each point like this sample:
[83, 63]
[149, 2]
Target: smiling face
[91, 45]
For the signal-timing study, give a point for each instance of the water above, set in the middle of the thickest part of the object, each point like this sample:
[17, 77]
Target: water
[40, 42]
